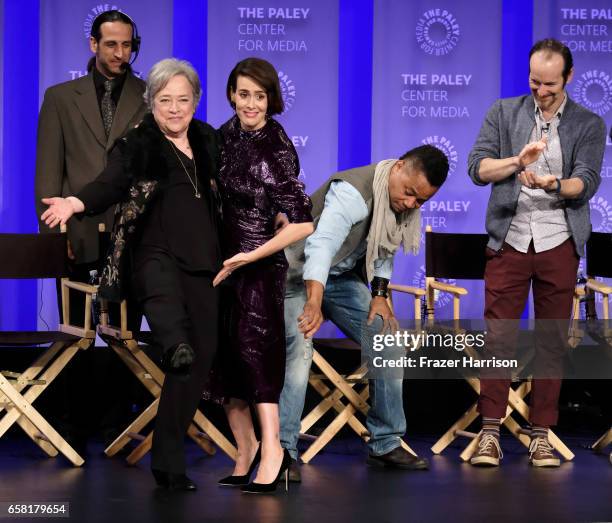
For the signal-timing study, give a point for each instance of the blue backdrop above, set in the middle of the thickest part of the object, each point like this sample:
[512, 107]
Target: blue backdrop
[366, 80]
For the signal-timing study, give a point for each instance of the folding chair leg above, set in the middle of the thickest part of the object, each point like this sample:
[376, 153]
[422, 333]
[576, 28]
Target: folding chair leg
[35, 435]
[215, 435]
[338, 381]
[34, 370]
[201, 440]
[135, 427]
[322, 407]
[13, 414]
[140, 451]
[451, 434]
[330, 431]
[603, 442]
[137, 369]
[25, 409]
[332, 400]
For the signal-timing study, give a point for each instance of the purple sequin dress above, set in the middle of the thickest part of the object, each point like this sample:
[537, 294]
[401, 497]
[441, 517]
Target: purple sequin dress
[258, 178]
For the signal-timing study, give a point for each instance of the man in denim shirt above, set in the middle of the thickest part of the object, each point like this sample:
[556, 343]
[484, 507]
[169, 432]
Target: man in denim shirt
[349, 210]
[542, 153]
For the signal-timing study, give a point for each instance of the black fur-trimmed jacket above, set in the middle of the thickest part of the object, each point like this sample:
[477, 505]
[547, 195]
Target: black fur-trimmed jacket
[135, 174]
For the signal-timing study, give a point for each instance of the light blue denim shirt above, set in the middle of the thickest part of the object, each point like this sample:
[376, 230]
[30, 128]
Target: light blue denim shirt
[344, 207]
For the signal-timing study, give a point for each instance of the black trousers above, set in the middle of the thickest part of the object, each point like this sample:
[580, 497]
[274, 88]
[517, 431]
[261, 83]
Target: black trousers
[180, 307]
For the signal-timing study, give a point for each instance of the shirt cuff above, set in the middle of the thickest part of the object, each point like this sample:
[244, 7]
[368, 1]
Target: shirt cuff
[316, 274]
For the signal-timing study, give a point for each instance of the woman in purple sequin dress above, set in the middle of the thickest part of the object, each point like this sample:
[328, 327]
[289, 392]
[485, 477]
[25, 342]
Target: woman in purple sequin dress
[258, 179]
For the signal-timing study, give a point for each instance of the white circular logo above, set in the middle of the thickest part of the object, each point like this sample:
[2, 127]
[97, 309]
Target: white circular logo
[440, 299]
[594, 91]
[287, 90]
[437, 32]
[93, 13]
[601, 215]
[447, 147]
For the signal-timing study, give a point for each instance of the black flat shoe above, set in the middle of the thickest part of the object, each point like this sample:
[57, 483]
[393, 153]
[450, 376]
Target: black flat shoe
[268, 488]
[178, 359]
[171, 481]
[238, 481]
[398, 458]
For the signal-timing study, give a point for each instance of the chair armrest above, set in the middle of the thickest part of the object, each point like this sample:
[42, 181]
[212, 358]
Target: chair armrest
[83, 287]
[415, 291]
[598, 286]
[448, 287]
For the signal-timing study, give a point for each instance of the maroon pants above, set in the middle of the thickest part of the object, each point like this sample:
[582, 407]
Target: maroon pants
[508, 276]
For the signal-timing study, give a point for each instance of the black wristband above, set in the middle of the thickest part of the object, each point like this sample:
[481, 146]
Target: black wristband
[558, 188]
[379, 287]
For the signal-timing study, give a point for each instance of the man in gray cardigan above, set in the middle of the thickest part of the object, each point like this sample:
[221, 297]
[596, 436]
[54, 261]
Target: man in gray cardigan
[324, 279]
[542, 153]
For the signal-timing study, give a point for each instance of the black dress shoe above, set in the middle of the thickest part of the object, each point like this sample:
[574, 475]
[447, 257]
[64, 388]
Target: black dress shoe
[178, 359]
[398, 458]
[171, 481]
[238, 481]
[295, 475]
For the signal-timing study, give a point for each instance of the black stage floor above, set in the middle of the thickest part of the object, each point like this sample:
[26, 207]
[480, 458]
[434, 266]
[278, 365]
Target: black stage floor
[337, 487]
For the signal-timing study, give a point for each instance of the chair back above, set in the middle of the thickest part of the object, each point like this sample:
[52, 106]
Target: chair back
[33, 256]
[454, 255]
[599, 255]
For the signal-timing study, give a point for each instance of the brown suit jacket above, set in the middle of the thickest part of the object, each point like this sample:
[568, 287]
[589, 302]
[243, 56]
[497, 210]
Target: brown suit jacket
[72, 149]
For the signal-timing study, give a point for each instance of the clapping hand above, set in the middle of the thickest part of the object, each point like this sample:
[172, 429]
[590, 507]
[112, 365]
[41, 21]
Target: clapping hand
[547, 182]
[531, 152]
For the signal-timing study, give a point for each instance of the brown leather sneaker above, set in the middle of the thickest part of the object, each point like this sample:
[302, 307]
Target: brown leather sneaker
[542, 453]
[488, 452]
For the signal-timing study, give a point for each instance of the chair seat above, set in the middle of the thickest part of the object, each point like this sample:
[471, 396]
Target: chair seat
[335, 343]
[29, 338]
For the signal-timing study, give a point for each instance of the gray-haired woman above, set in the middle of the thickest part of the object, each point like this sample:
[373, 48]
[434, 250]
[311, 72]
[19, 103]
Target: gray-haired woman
[165, 245]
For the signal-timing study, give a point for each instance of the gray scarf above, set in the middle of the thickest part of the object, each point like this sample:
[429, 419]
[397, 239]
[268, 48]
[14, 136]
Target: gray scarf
[388, 230]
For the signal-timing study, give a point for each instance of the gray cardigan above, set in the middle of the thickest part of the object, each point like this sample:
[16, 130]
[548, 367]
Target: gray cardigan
[506, 130]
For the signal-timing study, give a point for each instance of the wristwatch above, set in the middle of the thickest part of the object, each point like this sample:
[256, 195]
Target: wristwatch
[557, 189]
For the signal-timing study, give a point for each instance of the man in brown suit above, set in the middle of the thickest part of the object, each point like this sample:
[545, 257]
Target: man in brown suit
[79, 122]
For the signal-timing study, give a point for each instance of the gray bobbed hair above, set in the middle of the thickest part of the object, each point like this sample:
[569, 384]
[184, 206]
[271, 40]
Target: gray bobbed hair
[163, 71]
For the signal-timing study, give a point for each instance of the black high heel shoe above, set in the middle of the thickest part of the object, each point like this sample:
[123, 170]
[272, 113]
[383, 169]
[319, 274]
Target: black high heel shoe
[267, 488]
[238, 481]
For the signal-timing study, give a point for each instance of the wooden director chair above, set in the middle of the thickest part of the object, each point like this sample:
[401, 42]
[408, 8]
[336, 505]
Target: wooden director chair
[129, 346]
[346, 394]
[37, 256]
[462, 257]
[598, 265]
